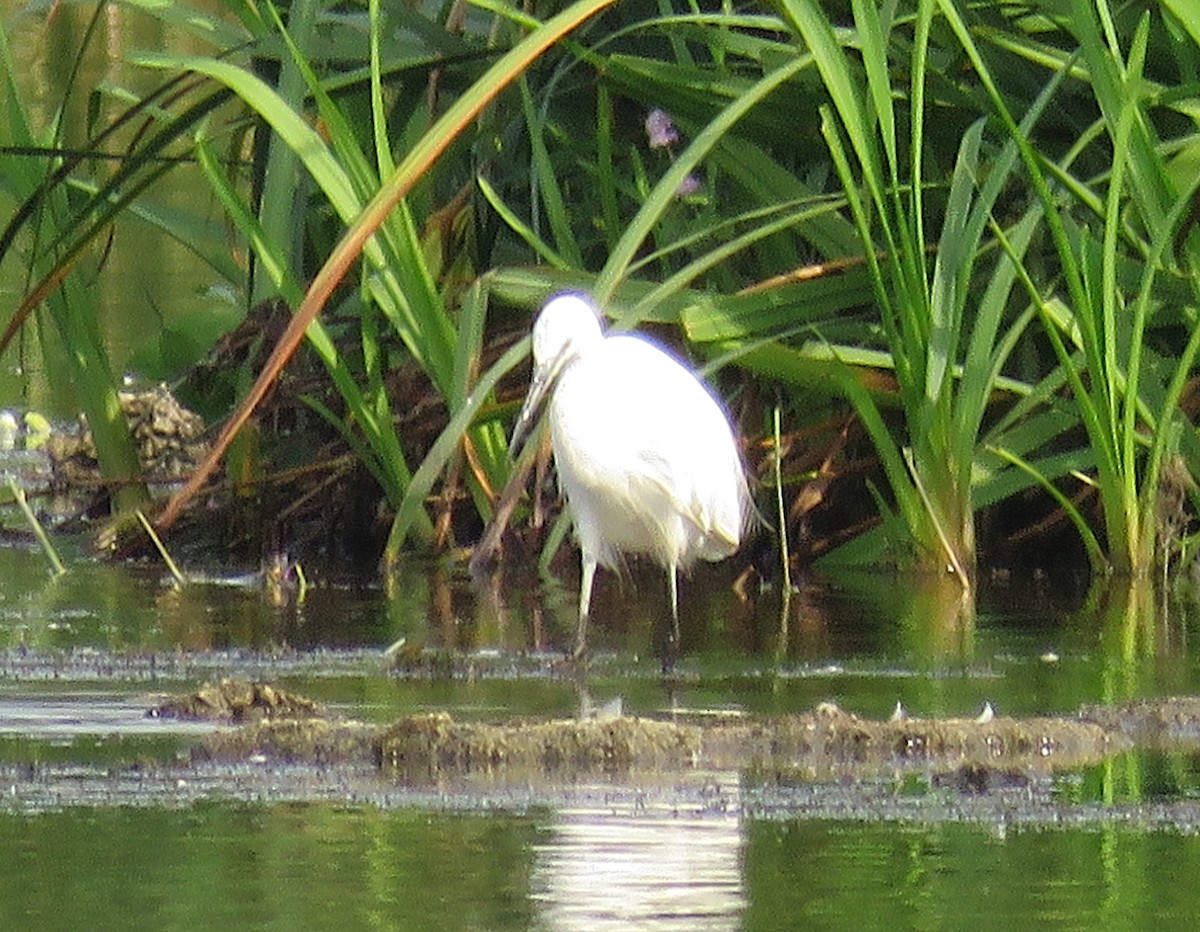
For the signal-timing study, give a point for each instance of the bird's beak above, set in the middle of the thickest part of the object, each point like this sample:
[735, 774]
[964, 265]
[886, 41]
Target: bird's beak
[540, 389]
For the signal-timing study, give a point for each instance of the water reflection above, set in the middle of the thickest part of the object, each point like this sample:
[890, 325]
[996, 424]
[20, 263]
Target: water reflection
[637, 866]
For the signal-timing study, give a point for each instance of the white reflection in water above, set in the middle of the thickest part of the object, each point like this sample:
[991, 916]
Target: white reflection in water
[636, 866]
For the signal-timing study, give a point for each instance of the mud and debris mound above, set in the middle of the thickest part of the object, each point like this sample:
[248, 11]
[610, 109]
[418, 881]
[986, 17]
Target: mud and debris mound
[313, 741]
[823, 744]
[1149, 721]
[830, 742]
[170, 440]
[973, 754]
[436, 743]
[237, 702]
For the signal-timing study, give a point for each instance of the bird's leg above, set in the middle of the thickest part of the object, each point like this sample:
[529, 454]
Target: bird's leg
[585, 600]
[672, 652]
[673, 583]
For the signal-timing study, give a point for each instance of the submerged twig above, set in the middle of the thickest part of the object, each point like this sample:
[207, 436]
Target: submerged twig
[175, 573]
[786, 602]
[301, 584]
[56, 564]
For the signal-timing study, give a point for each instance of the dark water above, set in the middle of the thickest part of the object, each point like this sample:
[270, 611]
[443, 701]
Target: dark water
[344, 866]
[93, 839]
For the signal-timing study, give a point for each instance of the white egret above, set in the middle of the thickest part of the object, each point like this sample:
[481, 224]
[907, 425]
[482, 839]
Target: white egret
[645, 454]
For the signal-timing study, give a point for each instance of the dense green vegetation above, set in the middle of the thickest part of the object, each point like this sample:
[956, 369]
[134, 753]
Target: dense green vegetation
[973, 225]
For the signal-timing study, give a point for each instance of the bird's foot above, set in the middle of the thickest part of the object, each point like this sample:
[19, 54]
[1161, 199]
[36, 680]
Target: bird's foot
[575, 662]
[669, 656]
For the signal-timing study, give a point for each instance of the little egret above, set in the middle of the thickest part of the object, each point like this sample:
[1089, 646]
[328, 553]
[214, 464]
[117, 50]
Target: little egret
[645, 455]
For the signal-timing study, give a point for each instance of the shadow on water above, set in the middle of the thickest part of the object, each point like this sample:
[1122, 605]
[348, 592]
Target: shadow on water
[84, 655]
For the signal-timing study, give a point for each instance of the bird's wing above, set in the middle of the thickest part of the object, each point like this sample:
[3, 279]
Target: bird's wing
[641, 432]
[712, 513]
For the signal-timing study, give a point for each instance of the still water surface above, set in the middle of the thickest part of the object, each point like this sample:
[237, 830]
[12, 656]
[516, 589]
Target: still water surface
[82, 656]
[317, 867]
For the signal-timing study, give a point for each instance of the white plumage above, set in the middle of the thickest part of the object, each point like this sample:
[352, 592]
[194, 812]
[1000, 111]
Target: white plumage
[645, 455]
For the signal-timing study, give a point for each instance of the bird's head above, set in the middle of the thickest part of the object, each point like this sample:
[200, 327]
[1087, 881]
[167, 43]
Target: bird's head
[566, 325]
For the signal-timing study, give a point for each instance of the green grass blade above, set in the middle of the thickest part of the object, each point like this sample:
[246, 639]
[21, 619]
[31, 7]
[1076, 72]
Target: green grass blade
[444, 448]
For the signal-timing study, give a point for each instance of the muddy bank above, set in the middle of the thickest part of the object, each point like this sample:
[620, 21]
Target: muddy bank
[263, 744]
[974, 754]
[826, 764]
[827, 743]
